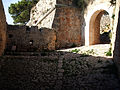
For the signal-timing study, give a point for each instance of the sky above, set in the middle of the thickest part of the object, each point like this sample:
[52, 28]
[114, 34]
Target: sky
[6, 4]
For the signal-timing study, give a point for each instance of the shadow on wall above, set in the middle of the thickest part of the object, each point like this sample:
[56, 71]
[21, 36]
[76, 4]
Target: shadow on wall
[2, 29]
[116, 52]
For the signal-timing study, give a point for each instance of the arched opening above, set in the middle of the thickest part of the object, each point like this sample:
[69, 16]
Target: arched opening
[99, 28]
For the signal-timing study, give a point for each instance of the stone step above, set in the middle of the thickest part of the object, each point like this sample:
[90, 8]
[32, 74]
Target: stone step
[19, 57]
[23, 53]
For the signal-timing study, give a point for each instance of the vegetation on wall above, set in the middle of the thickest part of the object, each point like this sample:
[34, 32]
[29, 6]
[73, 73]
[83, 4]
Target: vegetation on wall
[82, 3]
[20, 11]
[113, 2]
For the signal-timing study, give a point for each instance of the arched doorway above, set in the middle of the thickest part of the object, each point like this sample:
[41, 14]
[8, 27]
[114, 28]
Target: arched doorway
[94, 27]
[2, 29]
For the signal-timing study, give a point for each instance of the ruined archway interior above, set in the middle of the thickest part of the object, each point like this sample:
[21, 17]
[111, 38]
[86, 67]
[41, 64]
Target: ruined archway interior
[105, 29]
[99, 30]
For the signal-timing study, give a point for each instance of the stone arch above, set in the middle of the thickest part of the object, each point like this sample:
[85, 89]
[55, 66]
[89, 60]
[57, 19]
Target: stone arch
[94, 27]
[94, 11]
[2, 29]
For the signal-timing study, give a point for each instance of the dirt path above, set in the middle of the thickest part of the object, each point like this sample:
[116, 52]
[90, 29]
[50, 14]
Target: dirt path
[96, 50]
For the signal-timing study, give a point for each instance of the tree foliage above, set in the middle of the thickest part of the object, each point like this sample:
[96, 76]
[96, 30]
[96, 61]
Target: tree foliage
[20, 11]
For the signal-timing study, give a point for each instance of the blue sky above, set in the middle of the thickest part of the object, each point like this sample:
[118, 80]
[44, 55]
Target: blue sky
[6, 4]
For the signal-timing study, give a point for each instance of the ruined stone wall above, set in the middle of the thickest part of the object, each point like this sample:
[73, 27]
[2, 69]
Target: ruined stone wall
[2, 29]
[67, 24]
[42, 14]
[66, 19]
[30, 39]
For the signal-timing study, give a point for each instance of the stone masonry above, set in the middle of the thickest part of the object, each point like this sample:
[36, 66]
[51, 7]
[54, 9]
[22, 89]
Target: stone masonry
[116, 37]
[42, 14]
[30, 39]
[63, 17]
[67, 24]
[2, 29]
[73, 26]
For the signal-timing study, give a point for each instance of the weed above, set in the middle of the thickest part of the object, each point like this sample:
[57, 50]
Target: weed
[84, 55]
[113, 2]
[109, 53]
[90, 51]
[113, 16]
[75, 50]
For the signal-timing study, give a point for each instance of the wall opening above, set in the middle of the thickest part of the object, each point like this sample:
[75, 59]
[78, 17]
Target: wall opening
[99, 28]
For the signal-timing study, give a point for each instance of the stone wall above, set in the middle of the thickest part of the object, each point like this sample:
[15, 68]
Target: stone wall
[65, 2]
[67, 24]
[116, 37]
[30, 39]
[2, 29]
[71, 24]
[66, 19]
[91, 15]
[42, 14]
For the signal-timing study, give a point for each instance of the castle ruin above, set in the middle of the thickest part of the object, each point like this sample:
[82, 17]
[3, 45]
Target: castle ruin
[56, 24]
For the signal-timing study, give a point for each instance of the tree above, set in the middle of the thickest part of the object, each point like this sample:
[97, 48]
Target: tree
[20, 11]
